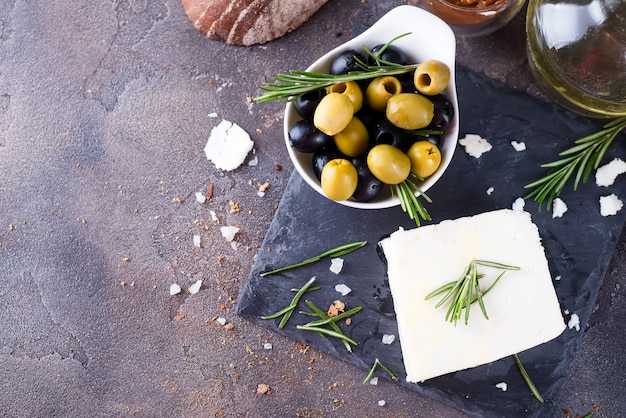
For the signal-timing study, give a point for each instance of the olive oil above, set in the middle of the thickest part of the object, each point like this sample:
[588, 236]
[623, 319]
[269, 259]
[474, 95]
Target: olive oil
[577, 53]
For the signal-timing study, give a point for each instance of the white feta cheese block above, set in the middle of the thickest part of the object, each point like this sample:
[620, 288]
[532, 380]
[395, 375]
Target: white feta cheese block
[523, 308]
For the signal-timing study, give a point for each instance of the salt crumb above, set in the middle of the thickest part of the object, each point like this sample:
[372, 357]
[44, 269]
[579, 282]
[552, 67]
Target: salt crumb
[267, 346]
[196, 241]
[228, 146]
[475, 145]
[260, 194]
[221, 321]
[343, 289]
[213, 216]
[200, 197]
[174, 289]
[558, 208]
[336, 265]
[502, 385]
[374, 381]
[388, 339]
[233, 245]
[606, 175]
[519, 146]
[254, 161]
[381, 403]
[489, 191]
[195, 288]
[557, 278]
[518, 204]
[212, 115]
[229, 232]
[574, 322]
[610, 205]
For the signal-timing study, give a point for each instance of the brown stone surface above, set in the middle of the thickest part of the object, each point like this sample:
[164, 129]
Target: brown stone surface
[105, 108]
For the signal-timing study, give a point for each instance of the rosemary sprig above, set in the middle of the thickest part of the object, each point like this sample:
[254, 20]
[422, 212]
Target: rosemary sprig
[320, 313]
[319, 325]
[464, 291]
[296, 83]
[288, 310]
[409, 202]
[581, 159]
[382, 366]
[527, 379]
[335, 252]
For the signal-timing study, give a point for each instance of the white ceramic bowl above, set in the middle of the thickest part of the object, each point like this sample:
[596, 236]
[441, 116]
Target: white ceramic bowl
[430, 38]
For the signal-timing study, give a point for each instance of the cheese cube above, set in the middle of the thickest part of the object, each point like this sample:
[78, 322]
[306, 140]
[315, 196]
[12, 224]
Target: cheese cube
[522, 307]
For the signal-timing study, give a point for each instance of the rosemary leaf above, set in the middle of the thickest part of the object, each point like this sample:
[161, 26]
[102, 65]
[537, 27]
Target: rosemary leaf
[328, 332]
[333, 325]
[373, 369]
[527, 379]
[288, 311]
[334, 319]
[335, 252]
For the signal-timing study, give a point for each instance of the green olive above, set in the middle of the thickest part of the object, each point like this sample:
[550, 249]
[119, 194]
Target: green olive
[354, 139]
[425, 158]
[410, 110]
[339, 179]
[388, 164]
[333, 113]
[431, 77]
[350, 89]
[380, 90]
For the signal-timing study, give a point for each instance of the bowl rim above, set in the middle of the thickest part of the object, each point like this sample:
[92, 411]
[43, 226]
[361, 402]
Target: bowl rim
[398, 21]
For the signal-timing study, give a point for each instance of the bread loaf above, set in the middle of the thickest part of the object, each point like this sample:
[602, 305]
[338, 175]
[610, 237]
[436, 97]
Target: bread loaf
[249, 22]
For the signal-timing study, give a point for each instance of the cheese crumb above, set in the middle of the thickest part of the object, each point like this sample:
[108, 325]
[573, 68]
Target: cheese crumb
[336, 265]
[558, 208]
[388, 339]
[229, 232]
[267, 346]
[606, 175]
[196, 241]
[381, 403]
[489, 191]
[343, 289]
[519, 146]
[610, 205]
[214, 217]
[518, 205]
[221, 321]
[228, 146]
[374, 381]
[195, 288]
[200, 197]
[174, 289]
[502, 385]
[475, 145]
[574, 322]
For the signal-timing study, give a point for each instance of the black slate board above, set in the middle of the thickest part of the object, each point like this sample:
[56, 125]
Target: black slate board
[578, 246]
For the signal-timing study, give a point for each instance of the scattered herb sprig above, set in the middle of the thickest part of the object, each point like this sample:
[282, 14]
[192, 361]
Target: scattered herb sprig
[581, 159]
[288, 310]
[373, 369]
[527, 379]
[464, 291]
[318, 326]
[335, 252]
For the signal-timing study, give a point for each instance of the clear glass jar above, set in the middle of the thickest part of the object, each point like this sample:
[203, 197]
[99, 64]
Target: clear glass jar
[577, 53]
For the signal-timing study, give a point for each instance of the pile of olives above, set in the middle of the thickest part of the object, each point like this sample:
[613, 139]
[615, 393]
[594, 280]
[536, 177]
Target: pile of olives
[367, 134]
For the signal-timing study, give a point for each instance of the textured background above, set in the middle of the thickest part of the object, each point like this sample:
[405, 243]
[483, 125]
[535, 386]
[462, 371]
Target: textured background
[105, 108]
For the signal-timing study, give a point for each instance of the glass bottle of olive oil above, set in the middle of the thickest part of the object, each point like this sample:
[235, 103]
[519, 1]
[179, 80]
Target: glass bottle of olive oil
[577, 53]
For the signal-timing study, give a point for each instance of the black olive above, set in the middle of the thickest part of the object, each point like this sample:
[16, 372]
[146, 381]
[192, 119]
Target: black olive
[346, 62]
[443, 112]
[305, 105]
[407, 82]
[368, 186]
[382, 131]
[391, 54]
[321, 158]
[305, 137]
